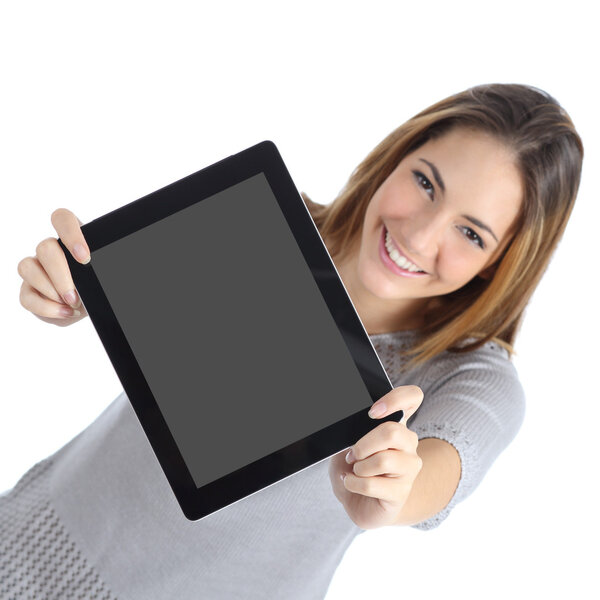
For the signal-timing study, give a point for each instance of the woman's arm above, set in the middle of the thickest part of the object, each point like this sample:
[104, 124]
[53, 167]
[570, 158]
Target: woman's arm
[436, 482]
[476, 404]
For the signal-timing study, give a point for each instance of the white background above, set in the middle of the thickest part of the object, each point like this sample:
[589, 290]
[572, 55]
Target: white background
[105, 102]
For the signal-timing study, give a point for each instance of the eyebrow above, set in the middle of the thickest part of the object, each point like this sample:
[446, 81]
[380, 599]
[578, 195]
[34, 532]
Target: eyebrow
[440, 182]
[480, 224]
[436, 174]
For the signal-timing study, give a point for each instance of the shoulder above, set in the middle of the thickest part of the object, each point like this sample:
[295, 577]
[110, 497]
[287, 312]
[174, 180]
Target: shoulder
[479, 389]
[485, 379]
[480, 381]
[488, 365]
[477, 394]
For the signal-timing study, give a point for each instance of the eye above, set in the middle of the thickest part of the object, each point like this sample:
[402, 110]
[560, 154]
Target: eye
[424, 183]
[473, 237]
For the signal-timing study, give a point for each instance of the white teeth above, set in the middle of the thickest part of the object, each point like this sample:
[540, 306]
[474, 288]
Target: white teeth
[402, 262]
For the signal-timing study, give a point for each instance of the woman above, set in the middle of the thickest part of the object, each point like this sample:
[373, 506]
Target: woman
[440, 237]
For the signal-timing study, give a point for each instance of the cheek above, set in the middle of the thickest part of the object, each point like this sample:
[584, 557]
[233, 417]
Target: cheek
[458, 263]
[398, 200]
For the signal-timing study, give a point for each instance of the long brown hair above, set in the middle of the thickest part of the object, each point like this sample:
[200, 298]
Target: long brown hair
[548, 153]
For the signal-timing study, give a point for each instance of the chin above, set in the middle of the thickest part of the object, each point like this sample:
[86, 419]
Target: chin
[379, 286]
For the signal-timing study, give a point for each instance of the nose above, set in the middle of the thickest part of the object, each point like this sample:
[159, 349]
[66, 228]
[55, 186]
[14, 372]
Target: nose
[423, 236]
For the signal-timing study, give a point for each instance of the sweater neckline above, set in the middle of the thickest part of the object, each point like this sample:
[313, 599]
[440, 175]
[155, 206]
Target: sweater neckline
[404, 333]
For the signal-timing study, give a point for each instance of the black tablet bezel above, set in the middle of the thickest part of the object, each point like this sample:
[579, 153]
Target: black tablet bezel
[264, 158]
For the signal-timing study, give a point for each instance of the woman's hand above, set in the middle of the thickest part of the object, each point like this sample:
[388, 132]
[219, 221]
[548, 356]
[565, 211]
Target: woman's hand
[47, 289]
[383, 465]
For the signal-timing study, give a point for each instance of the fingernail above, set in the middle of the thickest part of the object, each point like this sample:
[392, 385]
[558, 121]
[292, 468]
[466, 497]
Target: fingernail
[66, 311]
[343, 476]
[81, 253]
[350, 457]
[377, 410]
[71, 298]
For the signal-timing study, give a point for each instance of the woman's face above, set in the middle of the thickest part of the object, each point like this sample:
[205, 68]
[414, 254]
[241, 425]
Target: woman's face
[447, 209]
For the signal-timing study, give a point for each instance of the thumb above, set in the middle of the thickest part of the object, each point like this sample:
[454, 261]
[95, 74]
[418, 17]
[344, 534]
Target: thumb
[406, 398]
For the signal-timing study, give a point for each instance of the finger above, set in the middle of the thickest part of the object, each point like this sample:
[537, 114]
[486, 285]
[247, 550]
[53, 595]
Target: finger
[53, 261]
[407, 398]
[388, 489]
[68, 227]
[390, 463]
[43, 307]
[386, 436]
[34, 274]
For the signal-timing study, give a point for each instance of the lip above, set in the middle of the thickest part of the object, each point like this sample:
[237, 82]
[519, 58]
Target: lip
[390, 263]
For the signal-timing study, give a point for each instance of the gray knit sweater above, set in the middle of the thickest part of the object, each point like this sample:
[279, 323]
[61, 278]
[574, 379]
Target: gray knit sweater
[98, 519]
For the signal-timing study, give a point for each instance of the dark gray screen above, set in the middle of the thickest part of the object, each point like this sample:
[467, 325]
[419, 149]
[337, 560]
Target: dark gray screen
[230, 329]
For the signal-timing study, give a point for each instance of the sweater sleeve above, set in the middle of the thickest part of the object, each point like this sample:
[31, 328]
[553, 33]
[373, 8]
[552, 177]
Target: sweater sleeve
[475, 402]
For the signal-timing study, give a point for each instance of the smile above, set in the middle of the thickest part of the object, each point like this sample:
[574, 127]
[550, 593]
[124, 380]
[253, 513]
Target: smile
[396, 261]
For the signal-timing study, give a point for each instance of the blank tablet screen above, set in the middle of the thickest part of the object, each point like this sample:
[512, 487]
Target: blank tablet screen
[230, 329]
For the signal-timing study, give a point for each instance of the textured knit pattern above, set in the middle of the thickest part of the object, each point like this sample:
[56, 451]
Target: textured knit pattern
[38, 559]
[99, 520]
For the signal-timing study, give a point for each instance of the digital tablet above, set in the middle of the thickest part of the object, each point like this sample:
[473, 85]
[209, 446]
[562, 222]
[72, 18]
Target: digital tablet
[230, 330]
